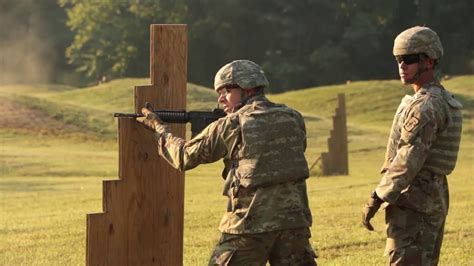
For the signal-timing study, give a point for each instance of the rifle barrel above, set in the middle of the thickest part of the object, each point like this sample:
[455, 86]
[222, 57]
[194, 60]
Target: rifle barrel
[199, 119]
[167, 116]
[127, 115]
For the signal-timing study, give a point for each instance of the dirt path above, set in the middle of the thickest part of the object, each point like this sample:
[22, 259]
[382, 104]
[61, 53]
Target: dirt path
[16, 116]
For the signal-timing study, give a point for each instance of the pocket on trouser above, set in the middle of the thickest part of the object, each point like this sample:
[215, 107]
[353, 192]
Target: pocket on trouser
[293, 248]
[251, 249]
[223, 251]
[404, 227]
[304, 256]
[409, 255]
[222, 258]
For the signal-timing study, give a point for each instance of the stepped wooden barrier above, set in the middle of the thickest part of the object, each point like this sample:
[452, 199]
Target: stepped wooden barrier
[335, 161]
[142, 219]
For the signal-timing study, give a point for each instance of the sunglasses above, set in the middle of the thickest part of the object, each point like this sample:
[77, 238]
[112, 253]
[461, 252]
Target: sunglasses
[409, 58]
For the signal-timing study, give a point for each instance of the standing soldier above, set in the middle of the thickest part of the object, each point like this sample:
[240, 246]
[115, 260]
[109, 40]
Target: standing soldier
[262, 144]
[422, 150]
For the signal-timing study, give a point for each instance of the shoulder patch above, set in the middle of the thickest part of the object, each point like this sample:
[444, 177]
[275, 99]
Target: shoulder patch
[411, 124]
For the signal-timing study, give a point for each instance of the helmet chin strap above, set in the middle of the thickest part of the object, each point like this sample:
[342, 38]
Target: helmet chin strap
[243, 97]
[417, 76]
[243, 101]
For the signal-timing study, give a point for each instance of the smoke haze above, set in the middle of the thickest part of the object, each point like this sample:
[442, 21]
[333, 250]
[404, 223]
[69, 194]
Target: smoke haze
[28, 53]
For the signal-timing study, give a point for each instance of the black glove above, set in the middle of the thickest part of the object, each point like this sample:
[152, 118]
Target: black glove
[149, 120]
[369, 210]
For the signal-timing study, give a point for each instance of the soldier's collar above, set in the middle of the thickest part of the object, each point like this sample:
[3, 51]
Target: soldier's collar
[256, 98]
[430, 87]
[244, 105]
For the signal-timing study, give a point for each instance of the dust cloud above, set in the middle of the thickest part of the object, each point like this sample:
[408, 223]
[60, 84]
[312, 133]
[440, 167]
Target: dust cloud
[26, 54]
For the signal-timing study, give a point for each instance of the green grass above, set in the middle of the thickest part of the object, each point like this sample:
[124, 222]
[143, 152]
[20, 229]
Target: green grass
[49, 181]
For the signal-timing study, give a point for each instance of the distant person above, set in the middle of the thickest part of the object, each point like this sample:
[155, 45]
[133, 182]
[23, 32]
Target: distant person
[262, 144]
[422, 150]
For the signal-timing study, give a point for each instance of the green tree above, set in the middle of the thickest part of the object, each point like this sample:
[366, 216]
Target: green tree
[275, 33]
[454, 24]
[111, 37]
[299, 44]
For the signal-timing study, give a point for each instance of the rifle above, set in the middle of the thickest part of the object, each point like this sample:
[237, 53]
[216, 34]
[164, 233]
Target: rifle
[198, 119]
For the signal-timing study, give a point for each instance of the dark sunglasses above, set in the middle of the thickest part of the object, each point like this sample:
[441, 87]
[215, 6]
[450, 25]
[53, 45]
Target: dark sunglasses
[409, 58]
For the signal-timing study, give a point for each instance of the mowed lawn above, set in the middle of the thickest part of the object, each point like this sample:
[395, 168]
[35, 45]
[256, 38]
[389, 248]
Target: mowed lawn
[59, 144]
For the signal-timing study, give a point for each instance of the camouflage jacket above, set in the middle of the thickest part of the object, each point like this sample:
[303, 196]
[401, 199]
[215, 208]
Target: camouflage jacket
[422, 149]
[265, 206]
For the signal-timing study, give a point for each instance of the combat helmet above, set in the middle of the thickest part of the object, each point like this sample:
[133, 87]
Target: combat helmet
[417, 40]
[244, 73]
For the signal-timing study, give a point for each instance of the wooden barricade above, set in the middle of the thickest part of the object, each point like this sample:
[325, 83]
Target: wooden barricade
[335, 161]
[142, 219]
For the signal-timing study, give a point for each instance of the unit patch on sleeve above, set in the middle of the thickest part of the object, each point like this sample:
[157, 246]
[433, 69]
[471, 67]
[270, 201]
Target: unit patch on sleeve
[411, 124]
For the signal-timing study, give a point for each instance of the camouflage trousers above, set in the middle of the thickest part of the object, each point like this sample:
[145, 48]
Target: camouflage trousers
[286, 247]
[413, 238]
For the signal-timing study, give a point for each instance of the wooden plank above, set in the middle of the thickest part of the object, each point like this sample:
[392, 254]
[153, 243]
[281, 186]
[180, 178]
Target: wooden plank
[115, 224]
[336, 144]
[335, 161]
[344, 157]
[168, 73]
[326, 166]
[142, 223]
[95, 239]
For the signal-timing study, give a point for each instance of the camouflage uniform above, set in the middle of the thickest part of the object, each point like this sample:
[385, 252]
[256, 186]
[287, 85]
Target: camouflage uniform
[262, 144]
[422, 149]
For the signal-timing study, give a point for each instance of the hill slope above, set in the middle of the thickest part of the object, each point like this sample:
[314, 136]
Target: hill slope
[369, 103]
[89, 110]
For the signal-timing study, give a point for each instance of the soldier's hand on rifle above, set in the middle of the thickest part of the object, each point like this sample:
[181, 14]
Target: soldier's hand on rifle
[369, 210]
[150, 120]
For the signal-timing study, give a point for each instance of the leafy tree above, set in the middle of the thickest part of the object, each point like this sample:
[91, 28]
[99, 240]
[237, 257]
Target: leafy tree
[454, 24]
[278, 35]
[111, 37]
[299, 44]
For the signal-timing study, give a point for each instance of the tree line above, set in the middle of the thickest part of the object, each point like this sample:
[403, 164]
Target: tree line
[298, 43]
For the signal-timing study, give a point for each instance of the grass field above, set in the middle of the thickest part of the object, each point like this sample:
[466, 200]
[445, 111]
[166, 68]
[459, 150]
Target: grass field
[57, 144]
